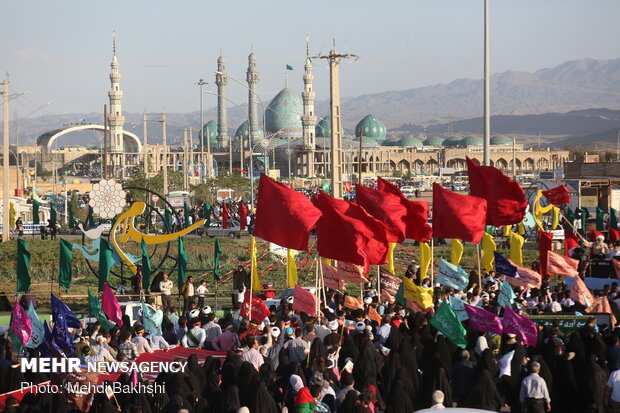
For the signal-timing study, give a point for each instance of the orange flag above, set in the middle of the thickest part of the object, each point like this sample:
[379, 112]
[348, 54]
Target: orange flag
[374, 315]
[581, 293]
[602, 306]
[561, 265]
[353, 303]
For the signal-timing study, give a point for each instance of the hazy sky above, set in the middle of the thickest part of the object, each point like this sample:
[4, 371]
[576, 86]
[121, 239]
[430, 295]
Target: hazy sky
[60, 50]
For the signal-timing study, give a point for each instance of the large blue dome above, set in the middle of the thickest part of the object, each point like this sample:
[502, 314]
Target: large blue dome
[283, 115]
[210, 131]
[243, 132]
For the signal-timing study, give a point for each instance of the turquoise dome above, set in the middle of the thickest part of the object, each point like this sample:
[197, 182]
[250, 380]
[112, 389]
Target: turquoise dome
[452, 141]
[323, 129]
[501, 140]
[472, 141]
[371, 127]
[393, 141]
[410, 141]
[210, 132]
[243, 131]
[283, 114]
[434, 141]
[367, 142]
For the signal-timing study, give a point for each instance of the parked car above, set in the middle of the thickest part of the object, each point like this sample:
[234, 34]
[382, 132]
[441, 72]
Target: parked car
[285, 295]
[233, 230]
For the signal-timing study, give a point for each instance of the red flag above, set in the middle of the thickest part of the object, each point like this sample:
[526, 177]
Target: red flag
[580, 293]
[416, 220]
[614, 235]
[374, 315]
[284, 216]
[561, 265]
[304, 301]
[527, 277]
[544, 245]
[243, 216]
[570, 242]
[458, 216]
[224, 216]
[602, 306]
[331, 277]
[346, 232]
[506, 203]
[110, 306]
[259, 308]
[557, 196]
[387, 208]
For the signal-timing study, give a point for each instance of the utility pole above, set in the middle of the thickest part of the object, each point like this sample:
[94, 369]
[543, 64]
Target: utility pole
[5, 163]
[487, 89]
[165, 144]
[336, 137]
[191, 151]
[204, 169]
[185, 172]
[104, 166]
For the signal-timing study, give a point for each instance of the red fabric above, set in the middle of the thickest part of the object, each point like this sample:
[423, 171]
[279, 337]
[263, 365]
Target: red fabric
[561, 265]
[458, 216]
[544, 246]
[303, 397]
[387, 208]
[570, 242]
[243, 216]
[602, 306]
[593, 234]
[224, 216]
[304, 301]
[614, 235]
[284, 216]
[506, 203]
[259, 308]
[580, 293]
[346, 232]
[416, 220]
[557, 196]
[110, 306]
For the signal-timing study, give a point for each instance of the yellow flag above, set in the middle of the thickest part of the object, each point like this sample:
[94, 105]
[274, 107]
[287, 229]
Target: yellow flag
[422, 296]
[540, 210]
[253, 266]
[327, 261]
[390, 267]
[425, 259]
[556, 218]
[457, 252]
[507, 229]
[521, 228]
[516, 248]
[291, 269]
[488, 248]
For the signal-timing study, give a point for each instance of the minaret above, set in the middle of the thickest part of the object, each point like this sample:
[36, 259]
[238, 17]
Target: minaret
[308, 119]
[252, 79]
[116, 120]
[221, 80]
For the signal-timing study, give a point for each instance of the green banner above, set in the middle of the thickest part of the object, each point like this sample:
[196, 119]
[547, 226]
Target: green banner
[105, 262]
[181, 263]
[65, 269]
[94, 309]
[568, 323]
[446, 321]
[23, 265]
[146, 266]
[207, 214]
[168, 219]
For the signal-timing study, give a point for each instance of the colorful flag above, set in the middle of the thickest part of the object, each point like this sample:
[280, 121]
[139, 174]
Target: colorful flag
[389, 284]
[304, 301]
[225, 216]
[506, 202]
[516, 248]
[21, 326]
[259, 308]
[458, 216]
[111, 307]
[65, 267]
[446, 321]
[387, 208]
[555, 220]
[488, 251]
[60, 331]
[146, 266]
[346, 232]
[71, 216]
[186, 213]
[562, 265]
[374, 315]
[90, 220]
[458, 306]
[152, 319]
[483, 320]
[521, 326]
[289, 67]
[557, 196]
[291, 269]
[452, 276]
[580, 292]
[525, 278]
[614, 235]
[544, 246]
[570, 242]
[584, 215]
[206, 214]
[217, 251]
[254, 265]
[181, 262]
[23, 265]
[600, 219]
[504, 266]
[37, 330]
[105, 262]
[426, 257]
[94, 309]
[456, 252]
[284, 216]
[410, 291]
[506, 294]
[390, 263]
[351, 272]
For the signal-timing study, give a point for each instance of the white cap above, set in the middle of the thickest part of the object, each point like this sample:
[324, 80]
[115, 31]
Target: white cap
[333, 325]
[194, 313]
[367, 300]
[290, 299]
[368, 329]
[206, 309]
[360, 326]
[384, 350]
[275, 331]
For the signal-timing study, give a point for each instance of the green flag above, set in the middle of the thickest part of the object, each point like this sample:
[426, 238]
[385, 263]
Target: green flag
[206, 214]
[570, 216]
[186, 214]
[182, 262]
[146, 266]
[613, 218]
[216, 260]
[168, 218]
[600, 218]
[23, 263]
[584, 219]
[490, 229]
[446, 321]
[90, 221]
[71, 217]
[94, 309]
[35, 212]
[53, 217]
[105, 262]
[65, 270]
[400, 296]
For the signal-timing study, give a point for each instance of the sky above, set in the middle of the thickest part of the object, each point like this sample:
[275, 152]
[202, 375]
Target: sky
[60, 51]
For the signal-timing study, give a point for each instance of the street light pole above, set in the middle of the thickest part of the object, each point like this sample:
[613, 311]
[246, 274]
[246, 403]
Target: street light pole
[5, 164]
[487, 86]
[204, 169]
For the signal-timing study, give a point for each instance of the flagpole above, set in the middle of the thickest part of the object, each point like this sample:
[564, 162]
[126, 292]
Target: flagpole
[379, 282]
[432, 265]
[573, 228]
[318, 299]
[479, 270]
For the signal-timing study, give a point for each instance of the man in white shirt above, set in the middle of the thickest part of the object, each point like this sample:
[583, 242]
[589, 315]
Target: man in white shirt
[195, 337]
[252, 355]
[534, 395]
[614, 383]
[555, 306]
[165, 286]
[212, 330]
[142, 344]
[201, 291]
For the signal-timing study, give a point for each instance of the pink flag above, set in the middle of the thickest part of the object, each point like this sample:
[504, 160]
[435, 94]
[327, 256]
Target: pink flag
[616, 264]
[331, 278]
[351, 272]
[581, 293]
[602, 306]
[483, 320]
[528, 278]
[22, 326]
[561, 265]
[304, 301]
[110, 306]
[521, 326]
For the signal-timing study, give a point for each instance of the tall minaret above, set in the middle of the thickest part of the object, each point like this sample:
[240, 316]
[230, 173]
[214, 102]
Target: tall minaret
[116, 119]
[221, 80]
[252, 79]
[308, 119]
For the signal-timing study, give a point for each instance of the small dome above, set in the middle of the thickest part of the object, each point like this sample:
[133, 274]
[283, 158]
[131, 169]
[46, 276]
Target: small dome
[371, 127]
[501, 140]
[410, 141]
[323, 129]
[472, 141]
[434, 141]
[243, 131]
[452, 141]
[210, 132]
[368, 142]
[283, 115]
[393, 141]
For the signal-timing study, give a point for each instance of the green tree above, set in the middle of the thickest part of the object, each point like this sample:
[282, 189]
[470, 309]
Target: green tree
[238, 183]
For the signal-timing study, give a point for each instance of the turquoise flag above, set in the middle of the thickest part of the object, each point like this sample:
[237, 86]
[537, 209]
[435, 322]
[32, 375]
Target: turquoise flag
[38, 331]
[452, 276]
[181, 263]
[289, 67]
[146, 266]
[446, 321]
[458, 306]
[506, 295]
[105, 262]
[152, 319]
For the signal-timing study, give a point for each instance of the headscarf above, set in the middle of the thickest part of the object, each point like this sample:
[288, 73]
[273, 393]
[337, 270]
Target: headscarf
[484, 394]
[296, 383]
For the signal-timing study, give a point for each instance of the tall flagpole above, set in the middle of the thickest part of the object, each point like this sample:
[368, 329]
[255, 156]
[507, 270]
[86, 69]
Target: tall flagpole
[487, 92]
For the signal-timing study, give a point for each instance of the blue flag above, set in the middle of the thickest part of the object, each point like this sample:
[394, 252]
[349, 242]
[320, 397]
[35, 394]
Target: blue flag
[152, 319]
[503, 266]
[72, 320]
[49, 348]
[506, 295]
[60, 332]
[458, 306]
[289, 67]
[452, 275]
